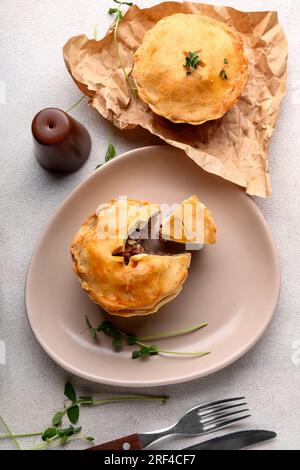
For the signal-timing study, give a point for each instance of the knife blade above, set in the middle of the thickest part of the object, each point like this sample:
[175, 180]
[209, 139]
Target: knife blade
[234, 441]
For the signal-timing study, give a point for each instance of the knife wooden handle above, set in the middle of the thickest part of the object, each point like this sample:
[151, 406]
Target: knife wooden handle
[131, 442]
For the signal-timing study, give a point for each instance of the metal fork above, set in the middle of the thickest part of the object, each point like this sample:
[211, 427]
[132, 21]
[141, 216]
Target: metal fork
[202, 419]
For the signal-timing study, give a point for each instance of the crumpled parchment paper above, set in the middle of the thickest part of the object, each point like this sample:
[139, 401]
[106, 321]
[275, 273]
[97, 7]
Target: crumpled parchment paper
[234, 147]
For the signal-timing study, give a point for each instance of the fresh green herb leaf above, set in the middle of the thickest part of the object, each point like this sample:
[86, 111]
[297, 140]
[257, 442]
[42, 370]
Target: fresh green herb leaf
[108, 328]
[112, 11]
[191, 62]
[129, 4]
[57, 418]
[145, 351]
[86, 403]
[225, 61]
[49, 433]
[86, 398]
[90, 438]
[164, 399]
[73, 414]
[110, 152]
[69, 392]
[75, 104]
[223, 75]
[109, 155]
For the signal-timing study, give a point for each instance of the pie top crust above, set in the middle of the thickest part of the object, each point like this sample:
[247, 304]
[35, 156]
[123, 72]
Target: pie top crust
[211, 89]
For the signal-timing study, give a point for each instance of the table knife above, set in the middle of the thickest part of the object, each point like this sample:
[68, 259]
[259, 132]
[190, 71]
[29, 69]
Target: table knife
[234, 441]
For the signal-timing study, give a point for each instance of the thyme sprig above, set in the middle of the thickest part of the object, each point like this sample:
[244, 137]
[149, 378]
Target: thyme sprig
[145, 350]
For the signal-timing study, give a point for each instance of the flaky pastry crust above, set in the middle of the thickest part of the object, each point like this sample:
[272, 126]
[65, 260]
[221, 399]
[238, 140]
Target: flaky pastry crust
[211, 89]
[143, 285]
[190, 223]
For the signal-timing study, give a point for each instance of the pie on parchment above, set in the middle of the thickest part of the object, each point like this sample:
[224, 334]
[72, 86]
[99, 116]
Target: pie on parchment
[190, 68]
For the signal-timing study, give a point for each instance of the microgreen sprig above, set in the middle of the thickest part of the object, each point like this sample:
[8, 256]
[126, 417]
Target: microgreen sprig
[118, 17]
[223, 73]
[145, 350]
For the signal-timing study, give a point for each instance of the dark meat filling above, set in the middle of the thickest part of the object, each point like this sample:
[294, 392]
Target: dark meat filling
[132, 247]
[140, 241]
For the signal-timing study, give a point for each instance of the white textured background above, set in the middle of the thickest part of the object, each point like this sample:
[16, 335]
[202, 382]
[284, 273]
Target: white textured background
[32, 34]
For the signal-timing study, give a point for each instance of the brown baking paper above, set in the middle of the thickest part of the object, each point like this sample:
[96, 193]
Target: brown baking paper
[233, 147]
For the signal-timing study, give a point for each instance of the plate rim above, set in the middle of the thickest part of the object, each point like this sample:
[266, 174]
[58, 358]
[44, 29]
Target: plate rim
[161, 382]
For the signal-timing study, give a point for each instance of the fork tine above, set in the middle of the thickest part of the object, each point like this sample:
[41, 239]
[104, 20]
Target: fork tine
[216, 404]
[223, 424]
[214, 411]
[218, 417]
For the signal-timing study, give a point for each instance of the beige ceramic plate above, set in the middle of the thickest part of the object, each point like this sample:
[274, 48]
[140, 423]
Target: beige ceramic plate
[233, 285]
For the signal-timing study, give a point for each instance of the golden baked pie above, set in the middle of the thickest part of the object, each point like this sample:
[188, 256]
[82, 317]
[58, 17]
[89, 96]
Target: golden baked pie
[190, 68]
[114, 266]
[190, 223]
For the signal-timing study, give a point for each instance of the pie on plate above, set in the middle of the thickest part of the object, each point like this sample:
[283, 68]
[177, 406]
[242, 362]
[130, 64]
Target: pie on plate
[190, 68]
[116, 269]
